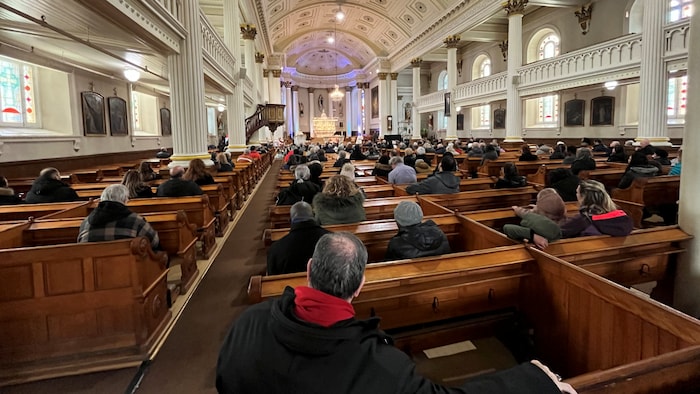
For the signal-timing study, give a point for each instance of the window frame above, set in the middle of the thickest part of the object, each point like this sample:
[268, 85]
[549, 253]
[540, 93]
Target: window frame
[35, 95]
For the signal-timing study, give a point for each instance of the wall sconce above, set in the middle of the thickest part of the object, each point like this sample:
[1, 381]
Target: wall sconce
[132, 74]
[221, 108]
[504, 49]
[389, 123]
[584, 18]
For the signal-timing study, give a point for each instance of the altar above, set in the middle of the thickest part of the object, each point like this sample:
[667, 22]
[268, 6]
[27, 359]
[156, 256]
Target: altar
[325, 127]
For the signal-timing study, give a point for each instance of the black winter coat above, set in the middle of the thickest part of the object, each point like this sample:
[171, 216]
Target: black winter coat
[270, 351]
[420, 240]
[8, 197]
[178, 187]
[583, 164]
[292, 252]
[518, 181]
[298, 191]
[50, 190]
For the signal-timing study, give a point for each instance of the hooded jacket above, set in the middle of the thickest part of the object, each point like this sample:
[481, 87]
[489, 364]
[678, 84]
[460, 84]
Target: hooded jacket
[644, 171]
[298, 191]
[583, 164]
[441, 183]
[292, 252]
[111, 221]
[382, 170]
[8, 197]
[50, 190]
[615, 223]
[517, 181]
[269, 350]
[420, 240]
[339, 210]
[178, 187]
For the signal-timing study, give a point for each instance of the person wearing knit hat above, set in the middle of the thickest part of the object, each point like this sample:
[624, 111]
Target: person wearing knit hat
[422, 166]
[415, 238]
[543, 219]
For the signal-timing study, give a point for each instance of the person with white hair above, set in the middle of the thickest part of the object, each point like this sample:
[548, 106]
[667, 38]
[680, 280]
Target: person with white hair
[112, 220]
[301, 189]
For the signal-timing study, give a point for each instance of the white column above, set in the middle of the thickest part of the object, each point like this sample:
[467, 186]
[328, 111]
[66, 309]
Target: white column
[383, 93]
[235, 117]
[452, 42]
[415, 116]
[348, 111]
[514, 106]
[687, 285]
[310, 111]
[289, 119]
[295, 108]
[188, 111]
[652, 77]
[249, 43]
[357, 110]
[393, 101]
[275, 92]
[238, 140]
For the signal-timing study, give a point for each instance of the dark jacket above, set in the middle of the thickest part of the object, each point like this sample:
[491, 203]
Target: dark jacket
[644, 171]
[566, 187]
[518, 181]
[410, 161]
[225, 167]
[111, 221]
[50, 190]
[488, 155]
[420, 240]
[357, 154]
[298, 191]
[441, 183]
[618, 157]
[292, 252]
[178, 187]
[144, 192]
[339, 163]
[583, 164]
[336, 210]
[615, 223]
[269, 350]
[382, 170]
[557, 155]
[527, 156]
[8, 197]
[207, 179]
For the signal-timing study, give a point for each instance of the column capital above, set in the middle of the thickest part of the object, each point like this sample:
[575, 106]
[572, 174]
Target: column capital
[394, 76]
[348, 88]
[311, 90]
[382, 76]
[259, 57]
[295, 88]
[452, 41]
[276, 73]
[266, 72]
[416, 61]
[515, 7]
[286, 84]
[248, 31]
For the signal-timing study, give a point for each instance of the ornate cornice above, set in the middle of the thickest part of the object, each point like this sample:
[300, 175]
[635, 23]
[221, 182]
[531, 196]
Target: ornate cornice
[248, 32]
[276, 73]
[415, 62]
[452, 41]
[259, 57]
[514, 7]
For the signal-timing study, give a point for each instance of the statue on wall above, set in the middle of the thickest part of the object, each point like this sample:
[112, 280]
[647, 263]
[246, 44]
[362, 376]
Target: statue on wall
[320, 103]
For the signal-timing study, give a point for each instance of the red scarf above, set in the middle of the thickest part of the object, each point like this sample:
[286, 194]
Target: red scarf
[317, 307]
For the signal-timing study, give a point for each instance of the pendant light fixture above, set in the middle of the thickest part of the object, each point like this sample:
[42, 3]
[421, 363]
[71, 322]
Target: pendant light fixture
[336, 95]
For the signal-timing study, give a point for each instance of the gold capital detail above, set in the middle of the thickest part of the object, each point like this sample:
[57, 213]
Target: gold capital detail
[415, 62]
[513, 7]
[394, 76]
[452, 41]
[248, 32]
[276, 73]
[295, 88]
[259, 57]
[382, 75]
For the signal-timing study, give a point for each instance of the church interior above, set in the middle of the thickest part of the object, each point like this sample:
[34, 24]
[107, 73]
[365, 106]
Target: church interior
[94, 88]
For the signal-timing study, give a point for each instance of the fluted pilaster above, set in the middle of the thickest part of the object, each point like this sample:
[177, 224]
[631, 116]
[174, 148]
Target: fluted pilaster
[415, 116]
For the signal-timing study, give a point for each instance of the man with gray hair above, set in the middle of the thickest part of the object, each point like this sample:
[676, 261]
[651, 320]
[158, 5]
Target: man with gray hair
[400, 172]
[292, 252]
[176, 186]
[112, 220]
[309, 341]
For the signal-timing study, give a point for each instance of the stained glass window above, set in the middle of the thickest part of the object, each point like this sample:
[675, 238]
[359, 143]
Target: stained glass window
[677, 98]
[485, 110]
[549, 47]
[17, 94]
[679, 9]
[548, 106]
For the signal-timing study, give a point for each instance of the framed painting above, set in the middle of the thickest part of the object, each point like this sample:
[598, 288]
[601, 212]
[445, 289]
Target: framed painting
[602, 111]
[165, 127]
[375, 102]
[118, 124]
[93, 113]
[573, 112]
[499, 118]
[460, 122]
[448, 99]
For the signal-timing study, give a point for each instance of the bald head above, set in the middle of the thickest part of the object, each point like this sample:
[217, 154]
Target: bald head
[177, 172]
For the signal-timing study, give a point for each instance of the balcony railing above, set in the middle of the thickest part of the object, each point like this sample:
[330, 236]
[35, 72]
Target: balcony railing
[432, 99]
[677, 38]
[214, 49]
[481, 90]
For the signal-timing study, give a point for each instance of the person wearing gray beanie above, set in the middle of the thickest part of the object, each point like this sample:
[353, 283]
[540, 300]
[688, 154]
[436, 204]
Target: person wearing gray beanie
[415, 238]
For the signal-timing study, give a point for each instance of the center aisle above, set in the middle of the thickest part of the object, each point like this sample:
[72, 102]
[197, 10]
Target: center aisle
[187, 361]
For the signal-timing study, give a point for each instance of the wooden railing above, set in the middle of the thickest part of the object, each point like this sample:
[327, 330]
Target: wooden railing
[270, 115]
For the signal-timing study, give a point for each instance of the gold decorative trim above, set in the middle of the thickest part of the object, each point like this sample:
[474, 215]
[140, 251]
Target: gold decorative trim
[415, 62]
[452, 41]
[248, 32]
[514, 7]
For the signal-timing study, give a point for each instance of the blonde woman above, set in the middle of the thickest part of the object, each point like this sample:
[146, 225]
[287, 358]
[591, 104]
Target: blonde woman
[598, 214]
[339, 202]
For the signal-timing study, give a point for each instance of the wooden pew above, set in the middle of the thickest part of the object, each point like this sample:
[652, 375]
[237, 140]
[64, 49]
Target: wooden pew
[610, 177]
[497, 218]
[177, 238]
[73, 307]
[610, 334]
[25, 211]
[483, 199]
[647, 193]
[220, 202]
[198, 209]
[465, 185]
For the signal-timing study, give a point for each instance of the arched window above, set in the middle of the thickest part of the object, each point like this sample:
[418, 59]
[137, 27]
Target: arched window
[18, 104]
[679, 9]
[442, 80]
[548, 47]
[481, 116]
[548, 106]
[482, 67]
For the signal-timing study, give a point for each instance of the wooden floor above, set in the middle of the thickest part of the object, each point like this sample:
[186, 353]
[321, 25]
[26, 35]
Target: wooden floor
[186, 361]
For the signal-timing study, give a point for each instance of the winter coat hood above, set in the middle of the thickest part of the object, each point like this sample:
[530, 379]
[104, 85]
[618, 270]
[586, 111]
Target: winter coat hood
[108, 211]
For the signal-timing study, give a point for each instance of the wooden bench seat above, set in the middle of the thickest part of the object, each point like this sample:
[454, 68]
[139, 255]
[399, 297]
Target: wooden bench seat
[647, 193]
[608, 332]
[26, 211]
[220, 202]
[497, 218]
[82, 306]
[483, 199]
[610, 177]
[465, 185]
